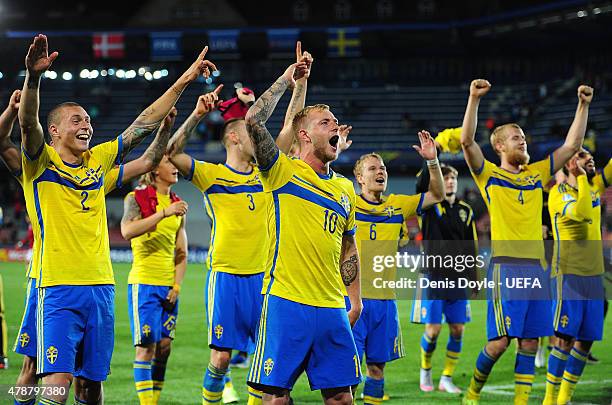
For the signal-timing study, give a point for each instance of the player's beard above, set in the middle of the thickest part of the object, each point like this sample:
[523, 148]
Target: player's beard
[518, 158]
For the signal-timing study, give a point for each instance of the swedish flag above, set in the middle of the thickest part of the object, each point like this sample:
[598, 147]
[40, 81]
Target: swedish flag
[343, 42]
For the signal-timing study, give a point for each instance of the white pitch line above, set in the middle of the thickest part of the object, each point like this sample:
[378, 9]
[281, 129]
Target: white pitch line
[499, 389]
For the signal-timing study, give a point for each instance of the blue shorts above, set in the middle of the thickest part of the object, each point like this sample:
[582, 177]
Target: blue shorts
[76, 326]
[579, 318]
[233, 308]
[26, 337]
[377, 332]
[439, 311]
[149, 321]
[518, 311]
[294, 337]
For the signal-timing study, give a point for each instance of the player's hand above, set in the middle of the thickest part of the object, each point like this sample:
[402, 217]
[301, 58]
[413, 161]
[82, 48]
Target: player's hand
[585, 94]
[293, 71]
[427, 150]
[479, 88]
[14, 101]
[353, 315]
[38, 60]
[172, 296]
[168, 121]
[304, 57]
[178, 208]
[201, 67]
[343, 132]
[208, 102]
[574, 167]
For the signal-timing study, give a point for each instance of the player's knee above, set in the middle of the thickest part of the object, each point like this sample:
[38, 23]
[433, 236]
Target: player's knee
[28, 371]
[88, 391]
[433, 330]
[145, 353]
[528, 345]
[220, 358]
[339, 398]
[163, 349]
[495, 348]
[376, 370]
[564, 342]
[60, 380]
[583, 345]
[456, 329]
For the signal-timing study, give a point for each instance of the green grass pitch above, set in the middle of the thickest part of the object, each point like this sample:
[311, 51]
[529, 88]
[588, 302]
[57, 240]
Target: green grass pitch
[190, 354]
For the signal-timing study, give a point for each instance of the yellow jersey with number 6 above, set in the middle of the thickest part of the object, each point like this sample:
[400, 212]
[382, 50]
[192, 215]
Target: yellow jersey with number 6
[67, 207]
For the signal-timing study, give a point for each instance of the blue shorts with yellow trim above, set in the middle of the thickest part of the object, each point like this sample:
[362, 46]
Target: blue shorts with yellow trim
[578, 308]
[149, 321]
[516, 309]
[293, 338]
[25, 343]
[76, 330]
[440, 311]
[377, 332]
[233, 308]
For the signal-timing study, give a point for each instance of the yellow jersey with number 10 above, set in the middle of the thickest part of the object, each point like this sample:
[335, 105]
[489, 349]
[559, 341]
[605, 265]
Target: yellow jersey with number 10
[67, 207]
[515, 202]
[309, 215]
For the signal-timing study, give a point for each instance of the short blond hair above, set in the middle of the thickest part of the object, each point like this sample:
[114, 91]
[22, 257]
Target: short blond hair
[500, 134]
[300, 116]
[358, 168]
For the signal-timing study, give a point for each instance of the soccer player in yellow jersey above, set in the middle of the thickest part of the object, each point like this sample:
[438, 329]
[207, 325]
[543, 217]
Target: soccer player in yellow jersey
[379, 220]
[513, 194]
[578, 315]
[154, 222]
[62, 185]
[313, 258]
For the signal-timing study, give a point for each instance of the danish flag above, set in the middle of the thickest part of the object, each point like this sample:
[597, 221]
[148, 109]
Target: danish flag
[108, 45]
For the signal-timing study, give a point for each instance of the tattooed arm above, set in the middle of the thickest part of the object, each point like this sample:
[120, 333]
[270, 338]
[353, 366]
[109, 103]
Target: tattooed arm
[132, 223]
[265, 148]
[37, 62]
[8, 151]
[349, 270]
[150, 119]
[205, 104]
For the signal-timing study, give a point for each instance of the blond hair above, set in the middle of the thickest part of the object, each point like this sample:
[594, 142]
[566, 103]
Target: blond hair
[358, 168]
[300, 116]
[500, 134]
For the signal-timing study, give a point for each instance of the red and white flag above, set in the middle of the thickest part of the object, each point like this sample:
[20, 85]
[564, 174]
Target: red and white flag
[108, 45]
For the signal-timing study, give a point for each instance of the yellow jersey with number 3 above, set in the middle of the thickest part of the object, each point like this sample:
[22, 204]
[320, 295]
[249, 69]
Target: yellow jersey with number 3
[379, 230]
[67, 207]
[515, 202]
[153, 252]
[237, 207]
[309, 215]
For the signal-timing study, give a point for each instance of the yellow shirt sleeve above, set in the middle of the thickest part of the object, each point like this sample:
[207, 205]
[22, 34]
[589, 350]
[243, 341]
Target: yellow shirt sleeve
[545, 167]
[113, 179]
[410, 204]
[279, 173]
[108, 153]
[482, 175]
[32, 166]
[603, 179]
[351, 226]
[202, 174]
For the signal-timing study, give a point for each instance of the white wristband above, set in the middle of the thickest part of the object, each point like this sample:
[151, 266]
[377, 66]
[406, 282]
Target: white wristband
[433, 162]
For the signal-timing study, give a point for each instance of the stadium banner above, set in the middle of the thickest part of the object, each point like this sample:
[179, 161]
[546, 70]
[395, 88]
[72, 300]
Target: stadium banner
[108, 45]
[225, 41]
[343, 42]
[166, 46]
[281, 42]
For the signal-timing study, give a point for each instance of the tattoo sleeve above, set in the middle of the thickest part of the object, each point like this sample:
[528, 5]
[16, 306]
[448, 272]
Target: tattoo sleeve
[179, 139]
[134, 134]
[131, 210]
[349, 270]
[265, 148]
[155, 151]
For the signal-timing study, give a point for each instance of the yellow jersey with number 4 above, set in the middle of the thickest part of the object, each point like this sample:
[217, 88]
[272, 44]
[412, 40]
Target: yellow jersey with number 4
[379, 230]
[515, 202]
[309, 215]
[237, 207]
[67, 207]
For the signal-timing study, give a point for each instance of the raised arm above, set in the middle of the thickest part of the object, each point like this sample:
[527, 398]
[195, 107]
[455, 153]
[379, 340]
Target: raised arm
[298, 99]
[180, 262]
[8, 150]
[176, 147]
[154, 153]
[132, 223]
[575, 135]
[349, 270]
[471, 149]
[37, 61]
[150, 119]
[258, 114]
[580, 210]
[428, 151]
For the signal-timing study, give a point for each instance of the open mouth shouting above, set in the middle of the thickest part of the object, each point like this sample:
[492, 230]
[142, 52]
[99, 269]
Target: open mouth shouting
[333, 141]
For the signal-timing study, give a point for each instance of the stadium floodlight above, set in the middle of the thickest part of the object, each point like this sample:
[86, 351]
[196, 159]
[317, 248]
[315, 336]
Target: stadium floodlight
[103, 73]
[216, 73]
[130, 74]
[111, 72]
[120, 74]
[66, 76]
[208, 80]
[51, 74]
[148, 76]
[582, 13]
[142, 70]
[94, 74]
[157, 75]
[84, 74]
[164, 72]
[22, 73]
[1, 75]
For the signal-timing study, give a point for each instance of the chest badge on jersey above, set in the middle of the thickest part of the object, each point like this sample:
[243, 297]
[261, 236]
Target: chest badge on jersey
[389, 211]
[463, 215]
[345, 203]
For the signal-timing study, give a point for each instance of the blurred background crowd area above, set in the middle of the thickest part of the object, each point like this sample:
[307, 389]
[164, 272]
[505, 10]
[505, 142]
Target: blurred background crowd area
[387, 67]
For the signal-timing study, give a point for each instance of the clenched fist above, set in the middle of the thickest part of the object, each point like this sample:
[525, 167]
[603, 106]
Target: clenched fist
[479, 87]
[585, 94]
